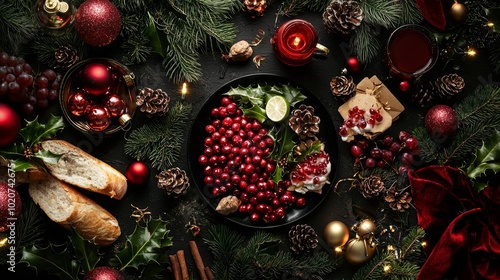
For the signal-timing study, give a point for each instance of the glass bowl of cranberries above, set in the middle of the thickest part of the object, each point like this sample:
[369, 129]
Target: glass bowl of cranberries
[232, 156]
[98, 96]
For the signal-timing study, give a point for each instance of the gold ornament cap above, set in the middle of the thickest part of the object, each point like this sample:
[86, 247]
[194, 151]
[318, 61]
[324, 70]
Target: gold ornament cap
[336, 233]
[366, 229]
[124, 119]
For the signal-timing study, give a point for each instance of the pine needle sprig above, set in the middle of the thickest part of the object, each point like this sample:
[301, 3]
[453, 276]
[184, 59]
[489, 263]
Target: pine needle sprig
[16, 27]
[495, 55]
[160, 141]
[381, 12]
[31, 227]
[429, 149]
[45, 46]
[366, 42]
[412, 246]
[224, 246]
[410, 14]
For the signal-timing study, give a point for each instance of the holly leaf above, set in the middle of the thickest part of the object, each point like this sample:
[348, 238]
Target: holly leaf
[248, 95]
[22, 164]
[143, 245]
[47, 156]
[255, 112]
[153, 270]
[283, 137]
[55, 263]
[85, 251]
[292, 94]
[34, 132]
[487, 157]
[13, 151]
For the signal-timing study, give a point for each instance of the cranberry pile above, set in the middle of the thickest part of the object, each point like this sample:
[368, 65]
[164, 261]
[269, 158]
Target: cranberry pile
[385, 151]
[236, 162]
[360, 121]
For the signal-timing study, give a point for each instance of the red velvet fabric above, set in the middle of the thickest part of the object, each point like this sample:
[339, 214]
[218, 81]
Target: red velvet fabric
[462, 226]
[433, 12]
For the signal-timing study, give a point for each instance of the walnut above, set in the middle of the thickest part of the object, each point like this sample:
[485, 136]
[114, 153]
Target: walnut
[228, 205]
[240, 51]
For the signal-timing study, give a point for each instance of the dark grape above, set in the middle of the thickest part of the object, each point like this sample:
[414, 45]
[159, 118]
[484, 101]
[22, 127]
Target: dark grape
[387, 141]
[41, 93]
[42, 82]
[49, 74]
[53, 94]
[4, 58]
[24, 80]
[42, 103]
[55, 85]
[3, 71]
[411, 143]
[370, 162]
[31, 100]
[10, 78]
[395, 147]
[27, 68]
[403, 135]
[356, 151]
[387, 155]
[28, 109]
[18, 69]
[407, 158]
[376, 153]
[14, 88]
[13, 61]
[4, 88]
[363, 144]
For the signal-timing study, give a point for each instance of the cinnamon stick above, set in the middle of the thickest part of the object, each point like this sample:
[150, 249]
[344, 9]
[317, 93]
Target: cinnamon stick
[209, 273]
[176, 267]
[197, 259]
[182, 264]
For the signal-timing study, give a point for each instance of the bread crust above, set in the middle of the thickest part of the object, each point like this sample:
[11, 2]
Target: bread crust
[89, 219]
[115, 184]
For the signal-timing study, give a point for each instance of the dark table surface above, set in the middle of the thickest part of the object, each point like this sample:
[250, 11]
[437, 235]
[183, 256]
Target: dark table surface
[315, 77]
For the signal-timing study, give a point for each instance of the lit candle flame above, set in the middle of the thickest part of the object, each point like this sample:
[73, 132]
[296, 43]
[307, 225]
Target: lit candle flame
[184, 90]
[296, 41]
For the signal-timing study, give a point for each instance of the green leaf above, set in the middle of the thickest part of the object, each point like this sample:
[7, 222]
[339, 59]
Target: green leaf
[248, 95]
[487, 157]
[143, 245]
[153, 270]
[284, 138]
[34, 132]
[58, 264]
[314, 148]
[154, 38]
[47, 156]
[292, 94]
[13, 151]
[22, 164]
[278, 173]
[86, 251]
[255, 112]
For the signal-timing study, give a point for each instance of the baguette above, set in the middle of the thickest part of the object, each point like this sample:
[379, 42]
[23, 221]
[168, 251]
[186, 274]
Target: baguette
[67, 207]
[82, 170]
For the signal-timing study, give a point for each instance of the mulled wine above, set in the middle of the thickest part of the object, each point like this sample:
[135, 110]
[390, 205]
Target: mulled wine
[411, 51]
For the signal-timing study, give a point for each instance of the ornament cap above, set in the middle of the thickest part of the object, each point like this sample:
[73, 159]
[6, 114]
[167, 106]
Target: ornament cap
[124, 119]
[129, 79]
[52, 6]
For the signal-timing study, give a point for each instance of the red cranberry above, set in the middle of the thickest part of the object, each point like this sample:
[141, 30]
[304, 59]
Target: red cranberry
[252, 189]
[280, 212]
[254, 217]
[215, 112]
[208, 142]
[300, 201]
[231, 108]
[210, 129]
[225, 101]
[203, 160]
[356, 151]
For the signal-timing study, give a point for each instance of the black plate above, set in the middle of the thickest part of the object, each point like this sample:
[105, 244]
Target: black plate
[328, 134]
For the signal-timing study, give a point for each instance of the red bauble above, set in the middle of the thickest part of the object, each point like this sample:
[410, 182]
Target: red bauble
[404, 86]
[78, 104]
[98, 118]
[98, 22]
[10, 124]
[96, 78]
[137, 173]
[10, 205]
[441, 122]
[103, 273]
[353, 64]
[115, 105]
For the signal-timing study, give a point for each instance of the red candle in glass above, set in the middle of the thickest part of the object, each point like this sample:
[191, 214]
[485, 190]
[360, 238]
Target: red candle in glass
[411, 51]
[295, 42]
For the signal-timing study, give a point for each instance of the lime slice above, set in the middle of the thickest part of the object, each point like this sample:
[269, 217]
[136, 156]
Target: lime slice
[277, 108]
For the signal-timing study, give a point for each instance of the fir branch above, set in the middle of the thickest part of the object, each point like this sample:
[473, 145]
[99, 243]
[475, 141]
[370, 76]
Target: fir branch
[160, 141]
[319, 263]
[381, 12]
[318, 5]
[45, 46]
[428, 148]
[411, 248]
[410, 14]
[494, 49]
[224, 246]
[135, 49]
[16, 26]
[365, 42]
[374, 268]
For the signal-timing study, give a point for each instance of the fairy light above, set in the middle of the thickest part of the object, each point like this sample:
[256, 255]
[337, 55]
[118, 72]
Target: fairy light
[471, 52]
[338, 249]
[387, 268]
[424, 244]
[390, 248]
[184, 91]
[490, 24]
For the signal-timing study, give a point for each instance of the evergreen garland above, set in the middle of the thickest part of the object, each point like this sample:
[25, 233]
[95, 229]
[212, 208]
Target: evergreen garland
[17, 26]
[160, 140]
[259, 257]
[478, 119]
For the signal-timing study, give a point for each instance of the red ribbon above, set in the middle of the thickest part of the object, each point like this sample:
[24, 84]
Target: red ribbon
[462, 226]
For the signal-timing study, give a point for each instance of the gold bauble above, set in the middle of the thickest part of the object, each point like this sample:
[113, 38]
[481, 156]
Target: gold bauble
[336, 233]
[366, 229]
[359, 251]
[458, 12]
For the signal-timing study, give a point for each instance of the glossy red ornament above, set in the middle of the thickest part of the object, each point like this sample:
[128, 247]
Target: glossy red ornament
[404, 86]
[441, 122]
[295, 42]
[137, 173]
[98, 118]
[97, 22]
[96, 78]
[8, 197]
[78, 103]
[353, 64]
[103, 273]
[10, 125]
[115, 105]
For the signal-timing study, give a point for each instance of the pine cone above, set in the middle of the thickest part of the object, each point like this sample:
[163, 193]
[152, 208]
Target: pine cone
[255, 8]
[449, 85]
[342, 16]
[303, 238]
[174, 181]
[342, 86]
[424, 94]
[304, 122]
[398, 201]
[371, 186]
[153, 102]
[66, 56]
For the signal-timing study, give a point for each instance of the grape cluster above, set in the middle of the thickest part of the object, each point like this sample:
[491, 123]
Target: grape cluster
[20, 85]
[384, 152]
